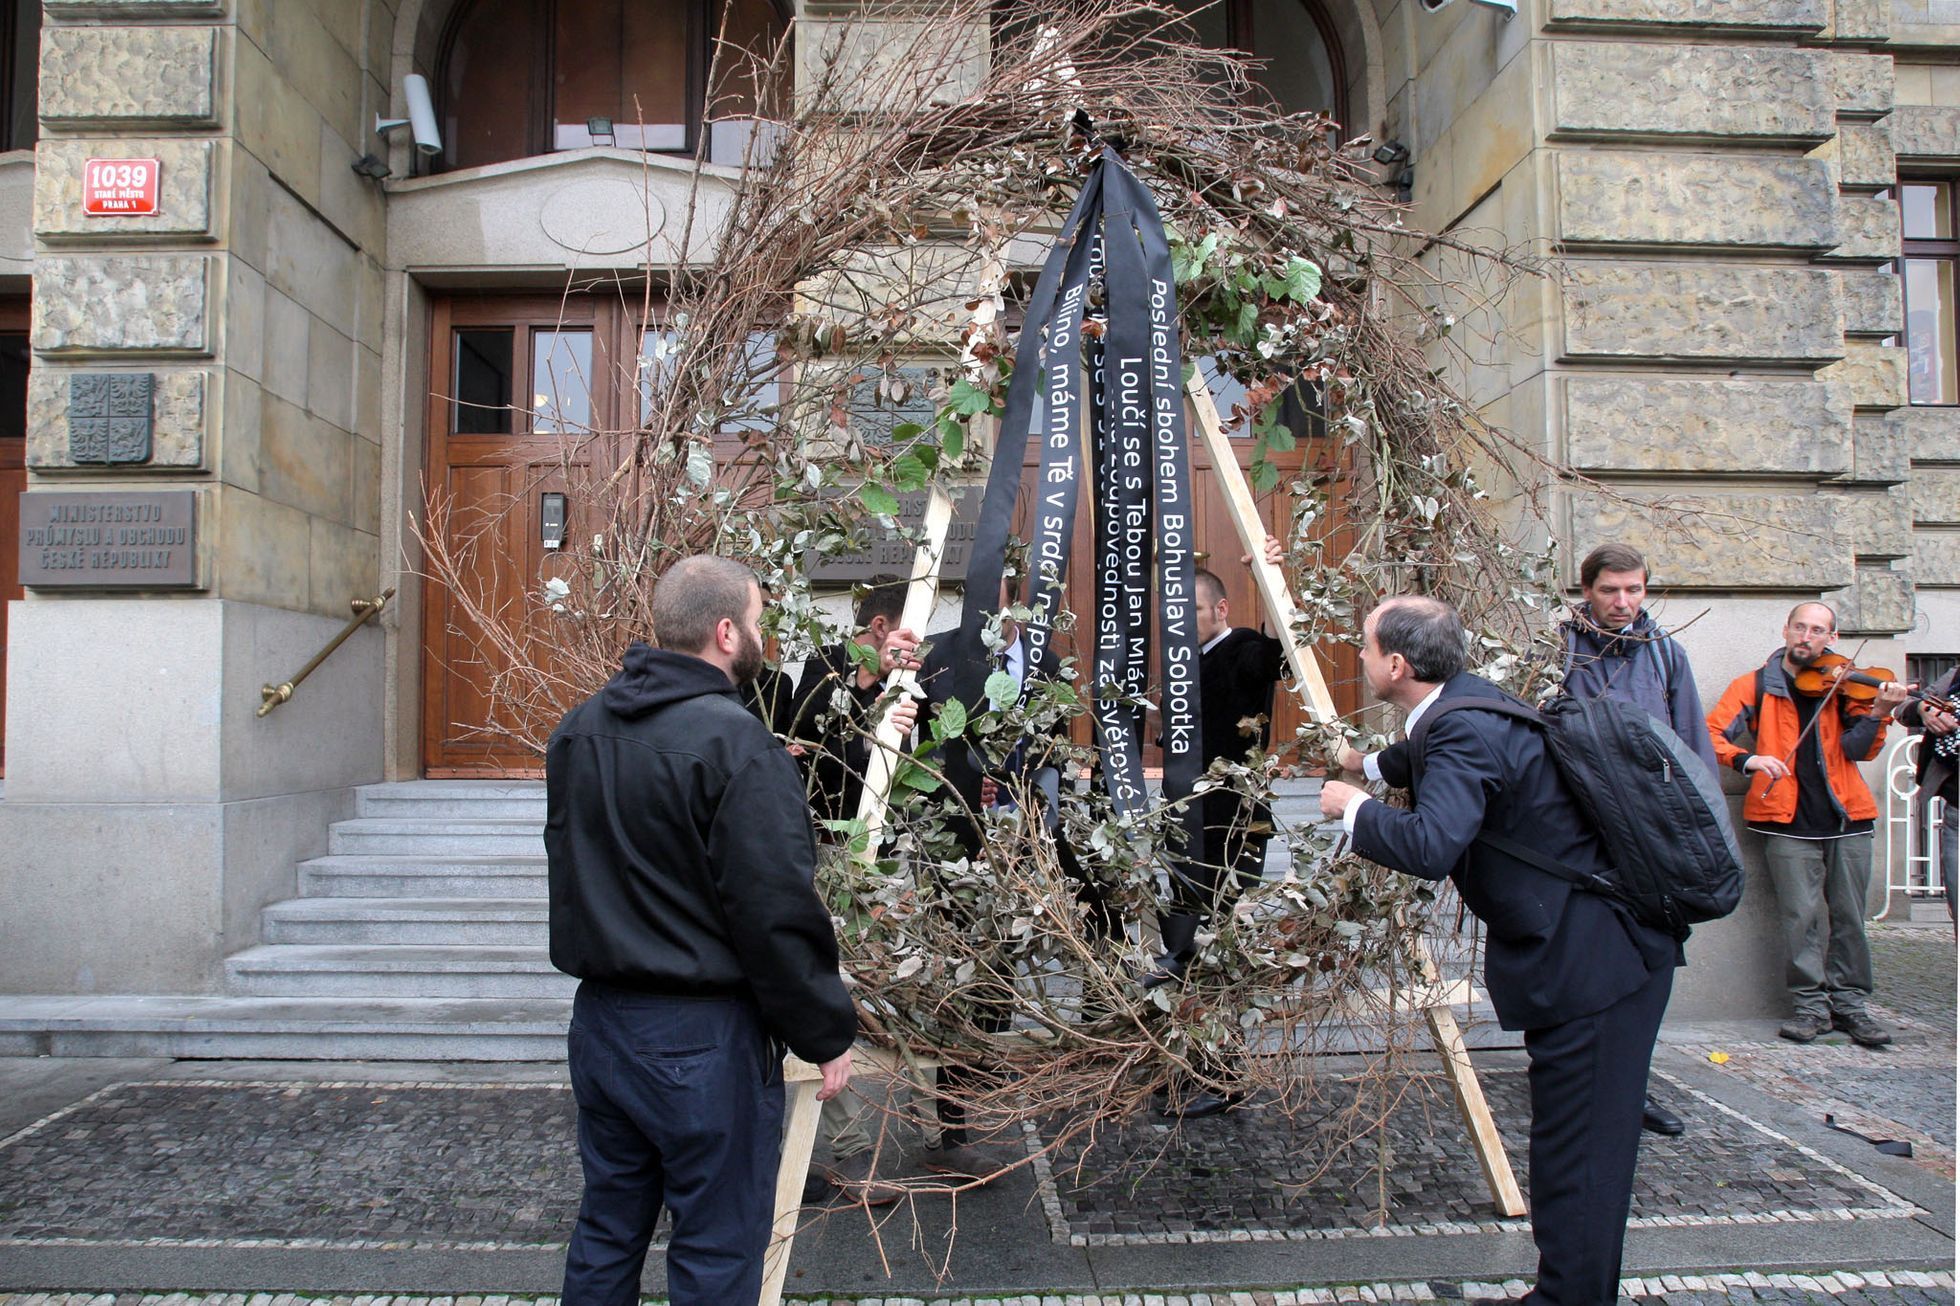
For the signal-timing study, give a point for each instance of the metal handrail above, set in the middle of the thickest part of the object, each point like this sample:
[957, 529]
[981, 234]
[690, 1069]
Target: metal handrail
[1911, 823]
[274, 695]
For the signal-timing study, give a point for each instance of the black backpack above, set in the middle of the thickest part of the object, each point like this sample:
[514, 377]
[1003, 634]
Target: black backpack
[1661, 815]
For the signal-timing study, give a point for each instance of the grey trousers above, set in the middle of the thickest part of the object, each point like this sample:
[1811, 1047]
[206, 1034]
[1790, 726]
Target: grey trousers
[1950, 857]
[1820, 892]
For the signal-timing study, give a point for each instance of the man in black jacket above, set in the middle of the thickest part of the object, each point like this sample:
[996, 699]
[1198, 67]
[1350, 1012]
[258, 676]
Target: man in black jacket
[681, 860]
[1585, 982]
[832, 712]
[1237, 669]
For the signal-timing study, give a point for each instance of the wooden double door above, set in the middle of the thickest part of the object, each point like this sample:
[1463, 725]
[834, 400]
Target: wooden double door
[511, 378]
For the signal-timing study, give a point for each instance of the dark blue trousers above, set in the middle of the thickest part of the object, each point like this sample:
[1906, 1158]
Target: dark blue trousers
[680, 1103]
[1588, 1087]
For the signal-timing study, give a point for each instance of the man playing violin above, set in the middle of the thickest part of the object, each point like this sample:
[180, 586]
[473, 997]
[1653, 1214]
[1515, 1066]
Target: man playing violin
[1939, 769]
[1815, 813]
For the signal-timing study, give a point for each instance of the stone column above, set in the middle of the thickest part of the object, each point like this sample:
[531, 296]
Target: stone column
[149, 813]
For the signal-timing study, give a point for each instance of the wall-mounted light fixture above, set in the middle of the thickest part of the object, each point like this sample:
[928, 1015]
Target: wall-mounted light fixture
[1391, 152]
[370, 166]
[597, 127]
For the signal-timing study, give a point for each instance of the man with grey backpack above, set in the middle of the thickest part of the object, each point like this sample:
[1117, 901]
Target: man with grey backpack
[1615, 649]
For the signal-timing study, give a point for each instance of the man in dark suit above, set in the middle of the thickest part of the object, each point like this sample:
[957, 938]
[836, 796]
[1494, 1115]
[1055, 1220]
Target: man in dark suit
[1237, 669]
[1585, 982]
[831, 718]
[978, 786]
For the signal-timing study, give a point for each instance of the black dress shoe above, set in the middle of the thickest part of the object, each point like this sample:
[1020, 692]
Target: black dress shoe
[1657, 1119]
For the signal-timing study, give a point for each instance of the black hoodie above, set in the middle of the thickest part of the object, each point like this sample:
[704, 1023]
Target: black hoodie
[681, 856]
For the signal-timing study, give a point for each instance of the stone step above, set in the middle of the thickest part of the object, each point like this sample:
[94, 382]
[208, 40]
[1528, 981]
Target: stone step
[317, 970]
[437, 799]
[446, 922]
[373, 875]
[408, 836]
[286, 1029]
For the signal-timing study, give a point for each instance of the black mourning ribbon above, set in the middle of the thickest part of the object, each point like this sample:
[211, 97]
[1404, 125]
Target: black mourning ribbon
[1136, 448]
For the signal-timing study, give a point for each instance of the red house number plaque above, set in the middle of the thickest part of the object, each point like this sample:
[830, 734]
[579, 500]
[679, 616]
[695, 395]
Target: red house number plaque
[120, 188]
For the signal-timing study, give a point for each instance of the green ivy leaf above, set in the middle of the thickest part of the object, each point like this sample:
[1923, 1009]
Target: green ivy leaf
[1002, 690]
[1278, 439]
[951, 721]
[905, 431]
[952, 440]
[909, 472]
[1264, 477]
[876, 498]
[1248, 322]
[910, 775]
[968, 399]
[1302, 280]
[864, 655]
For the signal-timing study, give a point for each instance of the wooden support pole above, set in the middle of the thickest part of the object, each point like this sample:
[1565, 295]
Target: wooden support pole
[800, 1083]
[1273, 591]
[887, 749]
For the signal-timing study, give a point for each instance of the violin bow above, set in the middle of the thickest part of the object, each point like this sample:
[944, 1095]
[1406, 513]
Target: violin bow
[1789, 760]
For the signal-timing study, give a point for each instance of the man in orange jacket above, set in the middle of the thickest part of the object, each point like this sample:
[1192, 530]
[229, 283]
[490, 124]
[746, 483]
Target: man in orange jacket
[1815, 814]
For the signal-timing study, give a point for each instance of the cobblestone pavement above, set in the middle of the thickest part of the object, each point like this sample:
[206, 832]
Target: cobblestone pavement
[1252, 1176]
[1841, 1287]
[298, 1164]
[1903, 1092]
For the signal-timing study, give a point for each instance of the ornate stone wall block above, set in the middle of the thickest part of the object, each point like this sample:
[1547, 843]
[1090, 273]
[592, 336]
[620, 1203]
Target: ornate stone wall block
[1873, 302]
[1880, 452]
[1792, 15]
[1876, 524]
[1925, 131]
[1878, 602]
[1861, 20]
[1870, 229]
[1874, 375]
[1613, 197]
[1727, 541]
[129, 76]
[110, 416]
[1862, 83]
[178, 408]
[123, 302]
[1936, 557]
[1936, 496]
[1865, 154]
[1676, 311]
[1622, 424]
[135, 8]
[1932, 435]
[183, 198]
[1653, 91]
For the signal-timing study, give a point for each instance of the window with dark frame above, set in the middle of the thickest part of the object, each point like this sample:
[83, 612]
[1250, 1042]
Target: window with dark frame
[20, 61]
[1928, 265]
[521, 78]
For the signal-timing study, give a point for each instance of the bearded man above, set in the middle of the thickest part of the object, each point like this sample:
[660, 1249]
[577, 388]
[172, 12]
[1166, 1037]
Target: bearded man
[681, 862]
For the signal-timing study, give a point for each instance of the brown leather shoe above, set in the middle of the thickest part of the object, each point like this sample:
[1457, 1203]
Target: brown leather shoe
[1803, 1027]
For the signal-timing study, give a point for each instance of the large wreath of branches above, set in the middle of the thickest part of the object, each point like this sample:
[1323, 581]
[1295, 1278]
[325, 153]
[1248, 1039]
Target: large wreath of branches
[834, 334]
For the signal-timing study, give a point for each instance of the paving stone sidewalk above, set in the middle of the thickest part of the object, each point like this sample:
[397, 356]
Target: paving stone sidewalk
[259, 1175]
[1841, 1288]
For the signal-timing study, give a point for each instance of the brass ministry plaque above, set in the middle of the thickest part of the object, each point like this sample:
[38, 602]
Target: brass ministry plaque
[891, 555]
[109, 539]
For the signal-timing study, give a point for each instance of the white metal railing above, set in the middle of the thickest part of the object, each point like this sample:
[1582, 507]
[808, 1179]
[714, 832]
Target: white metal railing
[1915, 826]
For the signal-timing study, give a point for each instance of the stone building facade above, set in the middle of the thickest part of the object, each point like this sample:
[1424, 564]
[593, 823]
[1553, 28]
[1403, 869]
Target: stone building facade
[1726, 335]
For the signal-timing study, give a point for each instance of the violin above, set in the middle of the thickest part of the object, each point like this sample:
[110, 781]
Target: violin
[1856, 684]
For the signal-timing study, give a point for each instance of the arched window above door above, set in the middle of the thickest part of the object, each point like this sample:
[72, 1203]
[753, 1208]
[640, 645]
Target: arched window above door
[518, 78]
[1296, 40]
